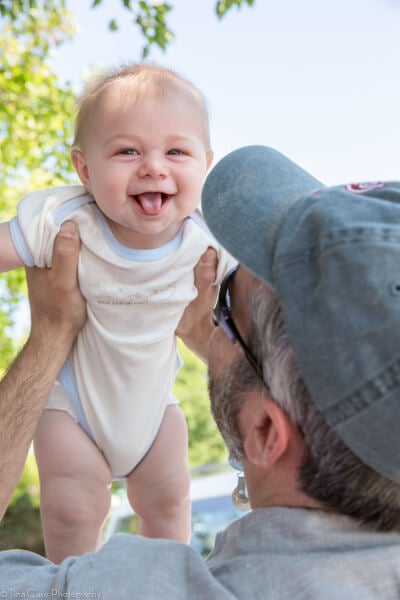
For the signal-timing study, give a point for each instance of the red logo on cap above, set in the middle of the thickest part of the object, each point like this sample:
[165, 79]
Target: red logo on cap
[362, 188]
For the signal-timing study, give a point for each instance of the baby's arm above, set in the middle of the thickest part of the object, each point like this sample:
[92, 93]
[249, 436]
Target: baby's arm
[9, 258]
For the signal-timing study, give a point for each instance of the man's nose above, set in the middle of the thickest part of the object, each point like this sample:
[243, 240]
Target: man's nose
[153, 165]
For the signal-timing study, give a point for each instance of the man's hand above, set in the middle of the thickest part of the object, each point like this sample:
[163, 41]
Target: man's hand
[195, 326]
[57, 305]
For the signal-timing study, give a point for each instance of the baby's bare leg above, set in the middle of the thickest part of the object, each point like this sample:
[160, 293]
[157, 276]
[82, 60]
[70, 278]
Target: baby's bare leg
[159, 488]
[74, 486]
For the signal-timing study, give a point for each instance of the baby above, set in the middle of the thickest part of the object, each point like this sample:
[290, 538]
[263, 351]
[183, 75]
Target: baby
[141, 150]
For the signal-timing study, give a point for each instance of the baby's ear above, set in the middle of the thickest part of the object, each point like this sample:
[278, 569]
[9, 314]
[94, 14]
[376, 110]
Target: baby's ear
[80, 166]
[210, 158]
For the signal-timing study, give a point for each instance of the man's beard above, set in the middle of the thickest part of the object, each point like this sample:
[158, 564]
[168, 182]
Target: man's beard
[227, 396]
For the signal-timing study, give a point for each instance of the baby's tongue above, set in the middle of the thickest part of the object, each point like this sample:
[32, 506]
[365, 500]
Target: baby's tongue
[151, 202]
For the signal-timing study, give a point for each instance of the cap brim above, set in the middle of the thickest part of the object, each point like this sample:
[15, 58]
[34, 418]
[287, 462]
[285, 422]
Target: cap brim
[245, 199]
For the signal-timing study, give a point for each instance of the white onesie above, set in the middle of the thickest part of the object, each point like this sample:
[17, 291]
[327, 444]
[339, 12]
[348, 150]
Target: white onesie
[121, 369]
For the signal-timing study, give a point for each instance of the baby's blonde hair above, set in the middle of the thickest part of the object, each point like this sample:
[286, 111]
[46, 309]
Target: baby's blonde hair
[144, 80]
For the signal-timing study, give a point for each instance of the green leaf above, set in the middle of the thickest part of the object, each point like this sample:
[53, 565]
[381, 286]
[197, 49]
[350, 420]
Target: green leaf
[113, 25]
[222, 6]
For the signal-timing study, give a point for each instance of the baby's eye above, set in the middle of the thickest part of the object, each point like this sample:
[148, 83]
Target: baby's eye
[128, 151]
[176, 152]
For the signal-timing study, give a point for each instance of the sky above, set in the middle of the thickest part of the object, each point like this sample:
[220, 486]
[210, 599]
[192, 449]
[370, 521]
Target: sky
[317, 80]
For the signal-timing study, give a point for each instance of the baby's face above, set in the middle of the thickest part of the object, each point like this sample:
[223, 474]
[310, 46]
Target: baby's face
[144, 162]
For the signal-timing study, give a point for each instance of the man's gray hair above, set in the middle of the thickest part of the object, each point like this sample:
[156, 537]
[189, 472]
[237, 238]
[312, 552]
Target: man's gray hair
[330, 471]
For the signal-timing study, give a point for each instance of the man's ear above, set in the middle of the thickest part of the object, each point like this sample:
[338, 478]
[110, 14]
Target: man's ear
[80, 166]
[267, 433]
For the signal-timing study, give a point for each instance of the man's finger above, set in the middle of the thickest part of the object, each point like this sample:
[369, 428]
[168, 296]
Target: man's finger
[66, 253]
[205, 271]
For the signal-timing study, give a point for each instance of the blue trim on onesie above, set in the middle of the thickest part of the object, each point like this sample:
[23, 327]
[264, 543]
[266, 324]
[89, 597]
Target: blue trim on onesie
[19, 243]
[66, 208]
[60, 214]
[133, 253]
[67, 379]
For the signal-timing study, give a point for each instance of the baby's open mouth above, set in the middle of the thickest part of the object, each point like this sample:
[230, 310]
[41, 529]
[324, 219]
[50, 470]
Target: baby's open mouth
[151, 202]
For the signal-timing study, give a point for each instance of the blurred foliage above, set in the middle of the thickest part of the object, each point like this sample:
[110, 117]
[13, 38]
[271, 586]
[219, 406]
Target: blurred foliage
[36, 112]
[36, 122]
[21, 526]
[205, 443]
[150, 17]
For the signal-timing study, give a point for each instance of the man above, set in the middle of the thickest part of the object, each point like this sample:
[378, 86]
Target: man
[303, 380]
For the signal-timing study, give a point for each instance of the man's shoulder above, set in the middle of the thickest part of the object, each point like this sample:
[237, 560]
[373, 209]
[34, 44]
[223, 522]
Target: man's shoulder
[306, 554]
[127, 566]
[21, 571]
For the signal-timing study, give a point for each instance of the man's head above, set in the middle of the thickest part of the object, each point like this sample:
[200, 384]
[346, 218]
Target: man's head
[323, 325]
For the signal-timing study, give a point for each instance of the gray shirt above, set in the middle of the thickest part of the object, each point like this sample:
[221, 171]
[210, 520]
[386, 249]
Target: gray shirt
[274, 553]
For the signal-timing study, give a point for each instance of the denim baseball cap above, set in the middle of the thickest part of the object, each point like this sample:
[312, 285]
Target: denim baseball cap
[333, 256]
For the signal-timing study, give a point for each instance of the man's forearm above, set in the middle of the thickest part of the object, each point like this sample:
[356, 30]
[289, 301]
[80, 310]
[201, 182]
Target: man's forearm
[196, 338]
[23, 394]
